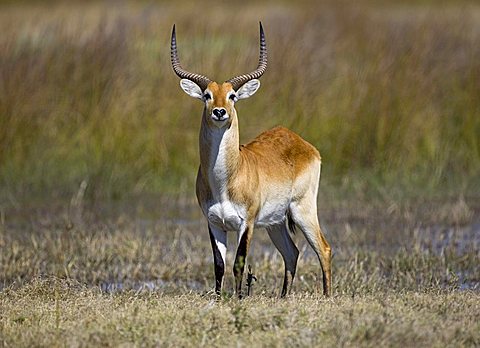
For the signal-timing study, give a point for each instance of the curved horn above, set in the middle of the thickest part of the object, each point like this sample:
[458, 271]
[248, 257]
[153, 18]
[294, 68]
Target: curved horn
[238, 81]
[200, 80]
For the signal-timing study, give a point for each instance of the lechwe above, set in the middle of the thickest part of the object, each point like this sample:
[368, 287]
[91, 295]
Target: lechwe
[271, 182]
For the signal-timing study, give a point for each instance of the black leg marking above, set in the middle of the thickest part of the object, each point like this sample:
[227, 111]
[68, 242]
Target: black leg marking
[239, 265]
[218, 263]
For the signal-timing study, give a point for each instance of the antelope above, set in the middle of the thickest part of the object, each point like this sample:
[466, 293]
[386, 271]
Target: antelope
[271, 182]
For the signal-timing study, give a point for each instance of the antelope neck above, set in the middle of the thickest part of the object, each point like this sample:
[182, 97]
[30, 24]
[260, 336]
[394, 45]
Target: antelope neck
[219, 154]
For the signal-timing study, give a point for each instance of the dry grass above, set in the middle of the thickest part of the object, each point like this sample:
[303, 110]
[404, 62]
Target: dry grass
[103, 277]
[72, 315]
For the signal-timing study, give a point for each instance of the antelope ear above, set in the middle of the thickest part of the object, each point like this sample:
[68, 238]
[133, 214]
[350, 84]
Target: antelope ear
[191, 88]
[248, 89]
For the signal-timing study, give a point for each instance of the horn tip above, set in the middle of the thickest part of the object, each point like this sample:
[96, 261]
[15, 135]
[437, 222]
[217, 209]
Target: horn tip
[262, 34]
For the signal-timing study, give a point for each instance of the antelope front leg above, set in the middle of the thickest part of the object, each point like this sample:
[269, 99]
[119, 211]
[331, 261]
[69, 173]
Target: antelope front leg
[218, 238]
[242, 252]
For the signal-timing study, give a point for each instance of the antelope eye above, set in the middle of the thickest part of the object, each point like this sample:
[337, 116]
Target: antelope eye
[233, 97]
[207, 96]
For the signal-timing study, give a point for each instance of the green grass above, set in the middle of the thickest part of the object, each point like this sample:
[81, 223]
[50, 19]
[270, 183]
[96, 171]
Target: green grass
[87, 92]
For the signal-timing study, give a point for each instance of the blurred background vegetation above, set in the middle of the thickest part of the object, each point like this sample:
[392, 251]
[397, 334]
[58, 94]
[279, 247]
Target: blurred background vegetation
[388, 91]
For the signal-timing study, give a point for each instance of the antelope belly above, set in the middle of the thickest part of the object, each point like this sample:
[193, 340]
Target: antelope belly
[272, 213]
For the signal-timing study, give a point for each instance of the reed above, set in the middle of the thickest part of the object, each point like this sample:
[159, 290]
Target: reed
[389, 93]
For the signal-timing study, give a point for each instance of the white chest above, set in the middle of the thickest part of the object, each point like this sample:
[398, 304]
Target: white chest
[226, 215]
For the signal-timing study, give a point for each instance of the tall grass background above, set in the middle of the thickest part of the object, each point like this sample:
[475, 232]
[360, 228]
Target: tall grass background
[389, 92]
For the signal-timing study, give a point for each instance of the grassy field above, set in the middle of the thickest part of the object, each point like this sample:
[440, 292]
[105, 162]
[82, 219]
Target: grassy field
[101, 240]
[116, 275]
[77, 316]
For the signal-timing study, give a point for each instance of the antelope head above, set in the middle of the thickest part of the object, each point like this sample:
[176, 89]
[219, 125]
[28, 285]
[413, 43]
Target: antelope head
[219, 98]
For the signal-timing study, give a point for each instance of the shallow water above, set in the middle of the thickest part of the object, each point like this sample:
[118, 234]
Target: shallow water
[459, 239]
[149, 286]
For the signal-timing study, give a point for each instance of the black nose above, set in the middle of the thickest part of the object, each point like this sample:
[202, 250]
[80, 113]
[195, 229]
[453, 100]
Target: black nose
[219, 112]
